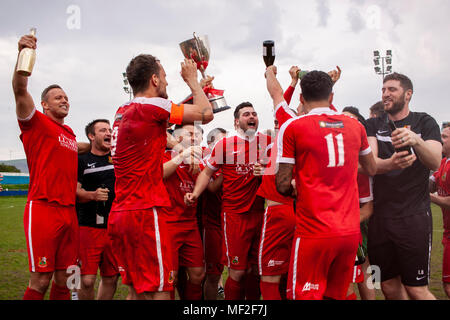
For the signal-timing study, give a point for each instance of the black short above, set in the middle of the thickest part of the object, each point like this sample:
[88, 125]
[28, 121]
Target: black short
[402, 247]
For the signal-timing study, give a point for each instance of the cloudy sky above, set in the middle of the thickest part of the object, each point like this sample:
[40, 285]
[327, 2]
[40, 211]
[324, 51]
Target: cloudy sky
[86, 45]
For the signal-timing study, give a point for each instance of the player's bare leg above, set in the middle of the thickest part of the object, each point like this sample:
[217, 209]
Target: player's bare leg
[447, 289]
[107, 288]
[419, 293]
[86, 291]
[132, 295]
[164, 295]
[210, 286]
[40, 281]
[393, 289]
[365, 292]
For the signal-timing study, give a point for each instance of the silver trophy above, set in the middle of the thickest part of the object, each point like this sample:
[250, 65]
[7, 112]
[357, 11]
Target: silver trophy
[198, 50]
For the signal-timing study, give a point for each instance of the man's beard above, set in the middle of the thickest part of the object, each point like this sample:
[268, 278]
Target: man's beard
[397, 106]
[162, 93]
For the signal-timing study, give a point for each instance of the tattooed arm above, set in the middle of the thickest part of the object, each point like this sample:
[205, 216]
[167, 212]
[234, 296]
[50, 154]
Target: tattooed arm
[283, 179]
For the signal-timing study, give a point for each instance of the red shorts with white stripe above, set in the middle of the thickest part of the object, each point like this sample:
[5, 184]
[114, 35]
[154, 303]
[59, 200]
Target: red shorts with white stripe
[242, 233]
[276, 240]
[212, 245]
[51, 232]
[96, 252]
[142, 246]
[186, 243]
[321, 267]
[446, 259]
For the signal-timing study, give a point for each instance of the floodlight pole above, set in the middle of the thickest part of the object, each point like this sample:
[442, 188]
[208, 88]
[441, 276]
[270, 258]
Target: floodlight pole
[127, 87]
[383, 71]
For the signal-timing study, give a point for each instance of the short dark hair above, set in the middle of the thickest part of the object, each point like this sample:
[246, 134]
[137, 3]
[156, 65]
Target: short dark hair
[90, 126]
[377, 109]
[180, 126]
[140, 70]
[405, 82]
[355, 111]
[46, 90]
[211, 137]
[241, 106]
[316, 86]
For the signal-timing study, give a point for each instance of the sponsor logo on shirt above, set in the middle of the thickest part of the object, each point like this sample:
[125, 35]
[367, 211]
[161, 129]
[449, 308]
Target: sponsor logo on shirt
[244, 169]
[91, 165]
[67, 142]
[186, 186]
[333, 125]
[310, 286]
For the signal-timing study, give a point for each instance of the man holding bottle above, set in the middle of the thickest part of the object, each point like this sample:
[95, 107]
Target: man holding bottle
[50, 220]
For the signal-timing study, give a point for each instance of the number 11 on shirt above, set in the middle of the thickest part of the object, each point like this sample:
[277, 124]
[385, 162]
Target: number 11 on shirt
[331, 150]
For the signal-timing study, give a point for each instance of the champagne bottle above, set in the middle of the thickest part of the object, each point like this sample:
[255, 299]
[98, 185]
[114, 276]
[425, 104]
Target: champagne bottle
[302, 73]
[393, 128]
[27, 57]
[269, 52]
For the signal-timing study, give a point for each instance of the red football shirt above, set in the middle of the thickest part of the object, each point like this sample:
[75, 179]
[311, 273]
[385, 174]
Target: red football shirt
[236, 155]
[52, 159]
[178, 184]
[365, 188]
[268, 188]
[442, 180]
[137, 148]
[324, 146]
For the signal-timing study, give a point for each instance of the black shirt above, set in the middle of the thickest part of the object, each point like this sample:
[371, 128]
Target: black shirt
[95, 172]
[401, 193]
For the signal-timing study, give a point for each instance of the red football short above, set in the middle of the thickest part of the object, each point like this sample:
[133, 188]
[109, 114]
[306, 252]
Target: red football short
[187, 248]
[212, 246]
[276, 240]
[358, 275]
[51, 232]
[96, 252]
[142, 246]
[446, 259]
[241, 239]
[321, 267]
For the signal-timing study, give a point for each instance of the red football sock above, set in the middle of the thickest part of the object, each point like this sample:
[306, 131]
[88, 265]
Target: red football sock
[270, 290]
[234, 290]
[252, 291]
[59, 293]
[352, 297]
[31, 294]
[193, 291]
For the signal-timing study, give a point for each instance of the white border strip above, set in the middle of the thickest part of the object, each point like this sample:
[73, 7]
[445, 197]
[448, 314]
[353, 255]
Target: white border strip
[30, 242]
[261, 242]
[158, 251]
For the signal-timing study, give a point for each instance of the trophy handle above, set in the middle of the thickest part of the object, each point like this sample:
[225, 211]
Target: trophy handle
[202, 57]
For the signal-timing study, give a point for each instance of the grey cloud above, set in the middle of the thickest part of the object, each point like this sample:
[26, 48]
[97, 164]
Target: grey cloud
[355, 19]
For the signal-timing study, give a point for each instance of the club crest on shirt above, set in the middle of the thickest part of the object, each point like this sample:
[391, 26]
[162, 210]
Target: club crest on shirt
[110, 160]
[333, 125]
[42, 262]
[171, 277]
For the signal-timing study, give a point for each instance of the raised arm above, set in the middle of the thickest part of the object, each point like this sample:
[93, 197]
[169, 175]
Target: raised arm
[201, 109]
[273, 86]
[24, 101]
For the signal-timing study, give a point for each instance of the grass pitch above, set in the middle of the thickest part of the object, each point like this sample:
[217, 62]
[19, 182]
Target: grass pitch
[14, 273]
